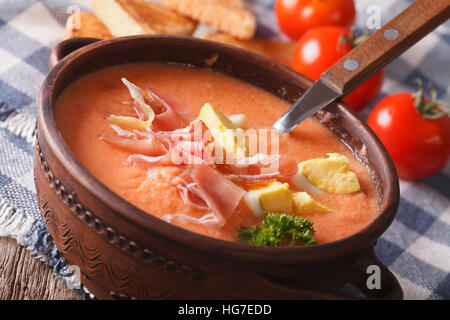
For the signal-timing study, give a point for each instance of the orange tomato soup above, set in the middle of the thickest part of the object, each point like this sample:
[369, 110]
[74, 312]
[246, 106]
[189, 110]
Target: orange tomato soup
[82, 112]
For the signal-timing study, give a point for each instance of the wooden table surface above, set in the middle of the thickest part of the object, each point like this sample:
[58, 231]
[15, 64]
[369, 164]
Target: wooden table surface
[25, 277]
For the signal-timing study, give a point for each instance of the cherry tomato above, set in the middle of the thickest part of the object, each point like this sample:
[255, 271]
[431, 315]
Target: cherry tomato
[366, 93]
[419, 147]
[295, 17]
[319, 48]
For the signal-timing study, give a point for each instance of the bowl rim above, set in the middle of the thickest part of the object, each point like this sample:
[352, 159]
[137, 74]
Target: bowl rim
[48, 128]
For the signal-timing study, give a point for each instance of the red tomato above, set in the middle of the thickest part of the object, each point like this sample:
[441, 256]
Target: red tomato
[295, 17]
[319, 48]
[366, 93]
[418, 146]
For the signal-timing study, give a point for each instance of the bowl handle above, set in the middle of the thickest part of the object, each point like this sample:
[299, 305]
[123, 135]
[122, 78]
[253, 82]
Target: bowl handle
[66, 47]
[358, 273]
[364, 272]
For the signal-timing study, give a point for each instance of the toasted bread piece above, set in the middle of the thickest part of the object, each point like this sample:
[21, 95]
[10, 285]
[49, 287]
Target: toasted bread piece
[277, 50]
[222, 15]
[133, 17]
[234, 3]
[85, 24]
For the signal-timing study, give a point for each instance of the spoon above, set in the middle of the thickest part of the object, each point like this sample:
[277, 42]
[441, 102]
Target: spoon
[383, 46]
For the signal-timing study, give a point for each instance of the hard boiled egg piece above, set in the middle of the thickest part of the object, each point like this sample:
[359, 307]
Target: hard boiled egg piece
[330, 174]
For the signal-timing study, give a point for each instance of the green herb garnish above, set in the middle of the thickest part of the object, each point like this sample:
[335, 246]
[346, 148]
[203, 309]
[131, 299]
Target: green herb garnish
[277, 227]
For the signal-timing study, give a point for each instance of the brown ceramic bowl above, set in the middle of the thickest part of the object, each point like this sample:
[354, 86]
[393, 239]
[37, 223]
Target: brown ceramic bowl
[124, 252]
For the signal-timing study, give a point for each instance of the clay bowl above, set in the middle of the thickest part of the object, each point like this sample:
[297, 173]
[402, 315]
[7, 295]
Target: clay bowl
[125, 253]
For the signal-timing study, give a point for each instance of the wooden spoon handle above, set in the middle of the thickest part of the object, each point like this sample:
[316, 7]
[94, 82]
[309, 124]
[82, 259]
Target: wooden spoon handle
[411, 25]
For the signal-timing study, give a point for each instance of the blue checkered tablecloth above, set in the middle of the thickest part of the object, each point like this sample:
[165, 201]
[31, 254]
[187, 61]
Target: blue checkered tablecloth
[417, 245]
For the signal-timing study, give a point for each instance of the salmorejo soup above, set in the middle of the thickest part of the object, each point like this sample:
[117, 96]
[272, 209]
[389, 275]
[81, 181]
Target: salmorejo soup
[194, 148]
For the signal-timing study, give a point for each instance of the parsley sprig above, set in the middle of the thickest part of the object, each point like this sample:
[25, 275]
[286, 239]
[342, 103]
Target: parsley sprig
[276, 227]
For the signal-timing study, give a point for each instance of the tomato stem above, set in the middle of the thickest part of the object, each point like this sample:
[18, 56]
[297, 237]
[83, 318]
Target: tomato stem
[352, 39]
[429, 108]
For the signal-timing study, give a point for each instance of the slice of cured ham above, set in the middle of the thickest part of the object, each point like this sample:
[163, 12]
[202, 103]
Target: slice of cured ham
[157, 110]
[262, 167]
[221, 194]
[148, 146]
[171, 113]
[176, 106]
